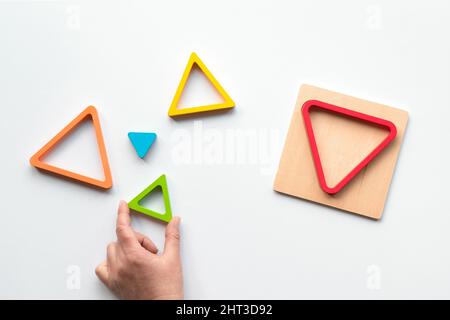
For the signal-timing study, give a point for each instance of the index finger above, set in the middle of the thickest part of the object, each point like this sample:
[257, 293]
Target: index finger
[125, 234]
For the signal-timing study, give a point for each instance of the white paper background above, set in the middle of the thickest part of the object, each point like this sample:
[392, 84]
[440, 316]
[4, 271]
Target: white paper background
[240, 239]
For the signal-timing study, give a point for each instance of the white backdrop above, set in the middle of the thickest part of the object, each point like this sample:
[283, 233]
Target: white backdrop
[240, 239]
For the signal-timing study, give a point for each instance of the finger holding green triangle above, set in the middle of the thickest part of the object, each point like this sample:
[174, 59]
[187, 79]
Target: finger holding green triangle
[135, 203]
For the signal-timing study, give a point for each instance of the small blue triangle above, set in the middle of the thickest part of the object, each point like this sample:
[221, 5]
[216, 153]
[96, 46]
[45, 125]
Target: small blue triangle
[142, 141]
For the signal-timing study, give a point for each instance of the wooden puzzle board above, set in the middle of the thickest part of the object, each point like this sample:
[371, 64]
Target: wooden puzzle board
[342, 143]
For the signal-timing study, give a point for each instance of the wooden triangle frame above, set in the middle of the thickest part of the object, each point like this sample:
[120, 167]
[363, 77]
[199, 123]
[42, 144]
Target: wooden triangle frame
[308, 105]
[135, 203]
[195, 60]
[89, 112]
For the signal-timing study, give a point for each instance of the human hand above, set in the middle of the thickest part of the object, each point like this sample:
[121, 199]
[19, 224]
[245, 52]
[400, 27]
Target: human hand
[134, 270]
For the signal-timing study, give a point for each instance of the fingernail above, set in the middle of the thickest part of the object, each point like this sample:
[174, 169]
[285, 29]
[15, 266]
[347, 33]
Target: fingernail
[122, 203]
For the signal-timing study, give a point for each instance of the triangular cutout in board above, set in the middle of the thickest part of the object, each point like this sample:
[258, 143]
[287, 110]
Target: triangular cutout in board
[174, 111]
[158, 183]
[89, 113]
[385, 124]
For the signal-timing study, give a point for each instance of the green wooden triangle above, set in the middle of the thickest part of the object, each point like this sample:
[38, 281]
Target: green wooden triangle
[162, 183]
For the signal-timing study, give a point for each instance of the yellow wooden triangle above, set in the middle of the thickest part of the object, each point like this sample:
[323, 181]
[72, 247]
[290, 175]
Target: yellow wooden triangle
[227, 104]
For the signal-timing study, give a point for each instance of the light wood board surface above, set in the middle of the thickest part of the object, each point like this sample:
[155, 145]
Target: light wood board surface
[342, 144]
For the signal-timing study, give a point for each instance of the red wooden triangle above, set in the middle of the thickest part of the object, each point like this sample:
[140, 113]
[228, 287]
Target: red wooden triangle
[310, 104]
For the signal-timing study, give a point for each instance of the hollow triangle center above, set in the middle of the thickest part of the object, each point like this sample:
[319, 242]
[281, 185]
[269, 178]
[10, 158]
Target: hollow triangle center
[198, 91]
[343, 142]
[154, 201]
[344, 139]
[78, 152]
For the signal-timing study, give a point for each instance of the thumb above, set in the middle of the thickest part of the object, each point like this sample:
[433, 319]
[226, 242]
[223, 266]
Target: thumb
[102, 273]
[172, 243]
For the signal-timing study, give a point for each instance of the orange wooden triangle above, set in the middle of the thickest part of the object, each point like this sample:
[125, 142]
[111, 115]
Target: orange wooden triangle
[89, 112]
